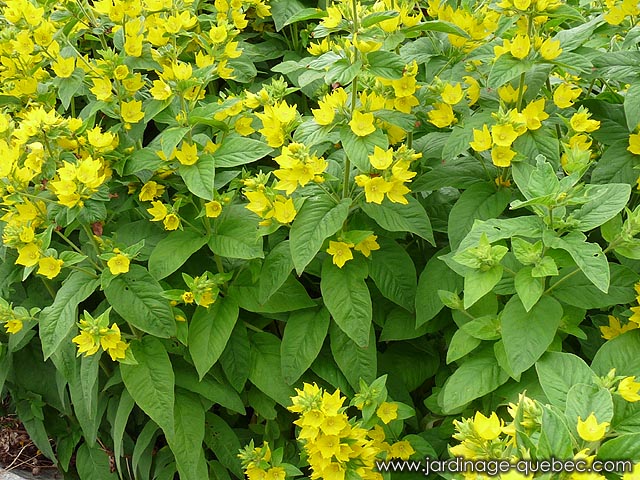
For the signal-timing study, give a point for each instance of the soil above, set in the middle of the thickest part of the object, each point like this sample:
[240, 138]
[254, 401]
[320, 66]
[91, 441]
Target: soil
[18, 452]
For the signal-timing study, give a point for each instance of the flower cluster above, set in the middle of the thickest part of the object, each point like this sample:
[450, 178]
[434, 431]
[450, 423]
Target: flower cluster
[393, 171]
[203, 290]
[267, 203]
[13, 319]
[96, 333]
[298, 167]
[338, 447]
[340, 250]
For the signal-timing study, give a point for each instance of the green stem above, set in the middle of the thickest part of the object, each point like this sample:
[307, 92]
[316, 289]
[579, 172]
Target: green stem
[218, 261]
[521, 91]
[49, 289]
[73, 245]
[347, 161]
[96, 247]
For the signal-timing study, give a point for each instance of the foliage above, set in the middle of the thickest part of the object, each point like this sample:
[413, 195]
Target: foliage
[427, 208]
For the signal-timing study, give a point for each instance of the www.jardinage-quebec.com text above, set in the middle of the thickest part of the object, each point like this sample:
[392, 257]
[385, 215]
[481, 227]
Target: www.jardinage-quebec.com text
[495, 467]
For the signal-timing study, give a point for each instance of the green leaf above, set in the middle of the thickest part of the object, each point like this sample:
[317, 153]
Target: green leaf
[282, 11]
[83, 389]
[235, 358]
[498, 229]
[266, 370]
[358, 148]
[346, 296]
[290, 296]
[221, 439]
[480, 201]
[343, 71]
[187, 437]
[529, 288]
[399, 324]
[304, 334]
[394, 273]
[173, 250]
[137, 297]
[620, 353]
[355, 362]
[558, 372]
[486, 327]
[479, 375]
[435, 276]
[396, 217]
[583, 400]
[478, 283]
[93, 464]
[170, 138]
[580, 292]
[588, 256]
[540, 323]
[57, 320]
[505, 69]
[68, 87]
[555, 439]
[151, 381]
[605, 202]
[209, 332]
[437, 26]
[125, 406]
[377, 17]
[306, 14]
[236, 151]
[385, 64]
[461, 344]
[318, 219]
[235, 234]
[624, 447]
[617, 165]
[632, 106]
[200, 177]
[208, 388]
[276, 268]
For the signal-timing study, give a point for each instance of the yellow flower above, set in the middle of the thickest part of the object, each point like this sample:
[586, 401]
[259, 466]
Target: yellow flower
[150, 191]
[381, 159]
[441, 115]
[131, 112]
[333, 424]
[158, 210]
[121, 72]
[535, 114]
[590, 430]
[634, 143]
[118, 264]
[520, 46]
[118, 351]
[86, 343]
[64, 67]
[275, 473]
[503, 135]
[581, 122]
[284, 210]
[387, 411]
[13, 326]
[488, 428]
[452, 94]
[188, 154]
[405, 86]
[28, 255]
[565, 94]
[402, 450]
[397, 191]
[328, 445]
[473, 90]
[101, 89]
[509, 94]
[405, 104]
[213, 209]
[634, 474]
[481, 139]
[614, 328]
[171, 222]
[160, 90]
[628, 389]
[49, 267]
[362, 123]
[374, 188]
[341, 252]
[550, 49]
[367, 245]
[502, 156]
